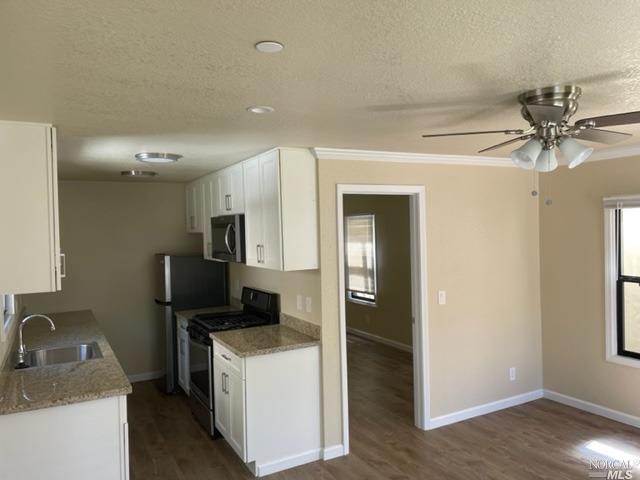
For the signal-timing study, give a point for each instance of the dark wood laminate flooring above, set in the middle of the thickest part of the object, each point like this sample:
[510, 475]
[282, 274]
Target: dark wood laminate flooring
[539, 440]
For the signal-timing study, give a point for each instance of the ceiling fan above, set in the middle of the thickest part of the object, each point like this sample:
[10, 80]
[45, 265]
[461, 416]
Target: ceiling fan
[548, 111]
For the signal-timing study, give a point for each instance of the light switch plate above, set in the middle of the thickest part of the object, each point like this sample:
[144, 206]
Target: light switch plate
[442, 297]
[512, 374]
[308, 304]
[299, 303]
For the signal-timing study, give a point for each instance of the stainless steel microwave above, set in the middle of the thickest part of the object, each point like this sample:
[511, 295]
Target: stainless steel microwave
[227, 238]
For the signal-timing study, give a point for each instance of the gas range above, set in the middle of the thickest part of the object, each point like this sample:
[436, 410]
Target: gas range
[258, 308]
[205, 323]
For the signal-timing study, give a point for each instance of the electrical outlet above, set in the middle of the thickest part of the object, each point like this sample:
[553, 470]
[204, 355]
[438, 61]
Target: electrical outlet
[308, 304]
[442, 297]
[512, 374]
[299, 303]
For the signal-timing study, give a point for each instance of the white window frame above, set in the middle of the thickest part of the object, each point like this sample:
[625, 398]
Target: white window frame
[8, 308]
[349, 296]
[611, 204]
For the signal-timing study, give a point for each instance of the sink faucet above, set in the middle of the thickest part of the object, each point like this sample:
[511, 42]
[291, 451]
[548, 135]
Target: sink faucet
[22, 349]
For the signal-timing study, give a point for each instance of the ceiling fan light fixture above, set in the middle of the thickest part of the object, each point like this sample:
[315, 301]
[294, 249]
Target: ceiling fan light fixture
[526, 156]
[574, 153]
[547, 161]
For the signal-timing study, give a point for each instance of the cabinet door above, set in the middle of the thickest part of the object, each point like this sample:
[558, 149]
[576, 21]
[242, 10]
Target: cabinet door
[220, 400]
[236, 432]
[223, 185]
[194, 207]
[180, 353]
[209, 195]
[29, 249]
[236, 189]
[183, 358]
[271, 220]
[252, 211]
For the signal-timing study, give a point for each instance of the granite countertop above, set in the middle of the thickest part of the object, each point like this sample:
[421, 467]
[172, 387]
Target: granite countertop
[189, 314]
[55, 385]
[249, 342]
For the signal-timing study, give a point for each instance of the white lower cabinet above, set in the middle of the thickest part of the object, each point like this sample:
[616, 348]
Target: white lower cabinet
[267, 407]
[182, 336]
[82, 440]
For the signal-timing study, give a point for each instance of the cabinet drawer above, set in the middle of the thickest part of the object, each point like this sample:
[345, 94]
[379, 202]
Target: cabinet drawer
[224, 356]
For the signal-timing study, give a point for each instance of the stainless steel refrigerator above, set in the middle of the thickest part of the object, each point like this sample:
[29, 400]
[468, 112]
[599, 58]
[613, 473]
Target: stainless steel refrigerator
[185, 283]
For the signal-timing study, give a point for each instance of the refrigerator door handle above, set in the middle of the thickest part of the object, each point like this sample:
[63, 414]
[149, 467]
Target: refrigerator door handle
[161, 303]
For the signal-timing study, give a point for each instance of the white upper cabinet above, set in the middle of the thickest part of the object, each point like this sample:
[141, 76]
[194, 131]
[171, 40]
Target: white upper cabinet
[209, 185]
[30, 259]
[194, 204]
[281, 220]
[230, 196]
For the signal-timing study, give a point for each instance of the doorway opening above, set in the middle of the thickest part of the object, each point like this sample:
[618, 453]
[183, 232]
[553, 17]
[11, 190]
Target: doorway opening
[383, 308]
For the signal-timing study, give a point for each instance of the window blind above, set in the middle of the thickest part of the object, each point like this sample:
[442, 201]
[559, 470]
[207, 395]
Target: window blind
[361, 253]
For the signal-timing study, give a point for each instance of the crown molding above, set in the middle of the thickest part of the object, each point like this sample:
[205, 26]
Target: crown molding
[402, 157]
[615, 152]
[322, 153]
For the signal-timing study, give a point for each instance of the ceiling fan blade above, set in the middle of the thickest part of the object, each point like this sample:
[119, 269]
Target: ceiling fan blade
[550, 113]
[602, 136]
[506, 132]
[508, 142]
[611, 120]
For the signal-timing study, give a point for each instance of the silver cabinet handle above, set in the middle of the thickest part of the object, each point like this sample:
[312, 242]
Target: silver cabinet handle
[227, 383]
[258, 253]
[222, 381]
[63, 265]
[230, 202]
[227, 201]
[226, 357]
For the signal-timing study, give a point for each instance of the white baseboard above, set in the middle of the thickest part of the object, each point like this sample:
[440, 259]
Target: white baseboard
[479, 410]
[378, 339]
[143, 377]
[333, 451]
[287, 462]
[593, 408]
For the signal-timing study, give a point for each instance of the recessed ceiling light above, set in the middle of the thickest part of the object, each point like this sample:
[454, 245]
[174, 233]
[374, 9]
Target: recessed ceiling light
[138, 173]
[154, 157]
[269, 46]
[261, 109]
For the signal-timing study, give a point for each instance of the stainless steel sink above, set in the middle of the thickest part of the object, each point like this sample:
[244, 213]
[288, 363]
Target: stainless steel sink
[56, 356]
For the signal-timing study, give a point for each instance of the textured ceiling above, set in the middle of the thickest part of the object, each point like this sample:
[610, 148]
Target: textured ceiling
[117, 77]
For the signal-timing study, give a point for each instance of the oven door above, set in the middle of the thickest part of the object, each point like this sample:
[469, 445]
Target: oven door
[201, 371]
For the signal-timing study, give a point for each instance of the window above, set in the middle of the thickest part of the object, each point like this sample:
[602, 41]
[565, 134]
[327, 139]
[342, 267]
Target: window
[622, 279]
[360, 259]
[8, 308]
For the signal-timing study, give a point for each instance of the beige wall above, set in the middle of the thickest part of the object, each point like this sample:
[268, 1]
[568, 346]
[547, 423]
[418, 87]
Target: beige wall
[391, 316]
[572, 277]
[482, 248]
[287, 284]
[110, 232]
